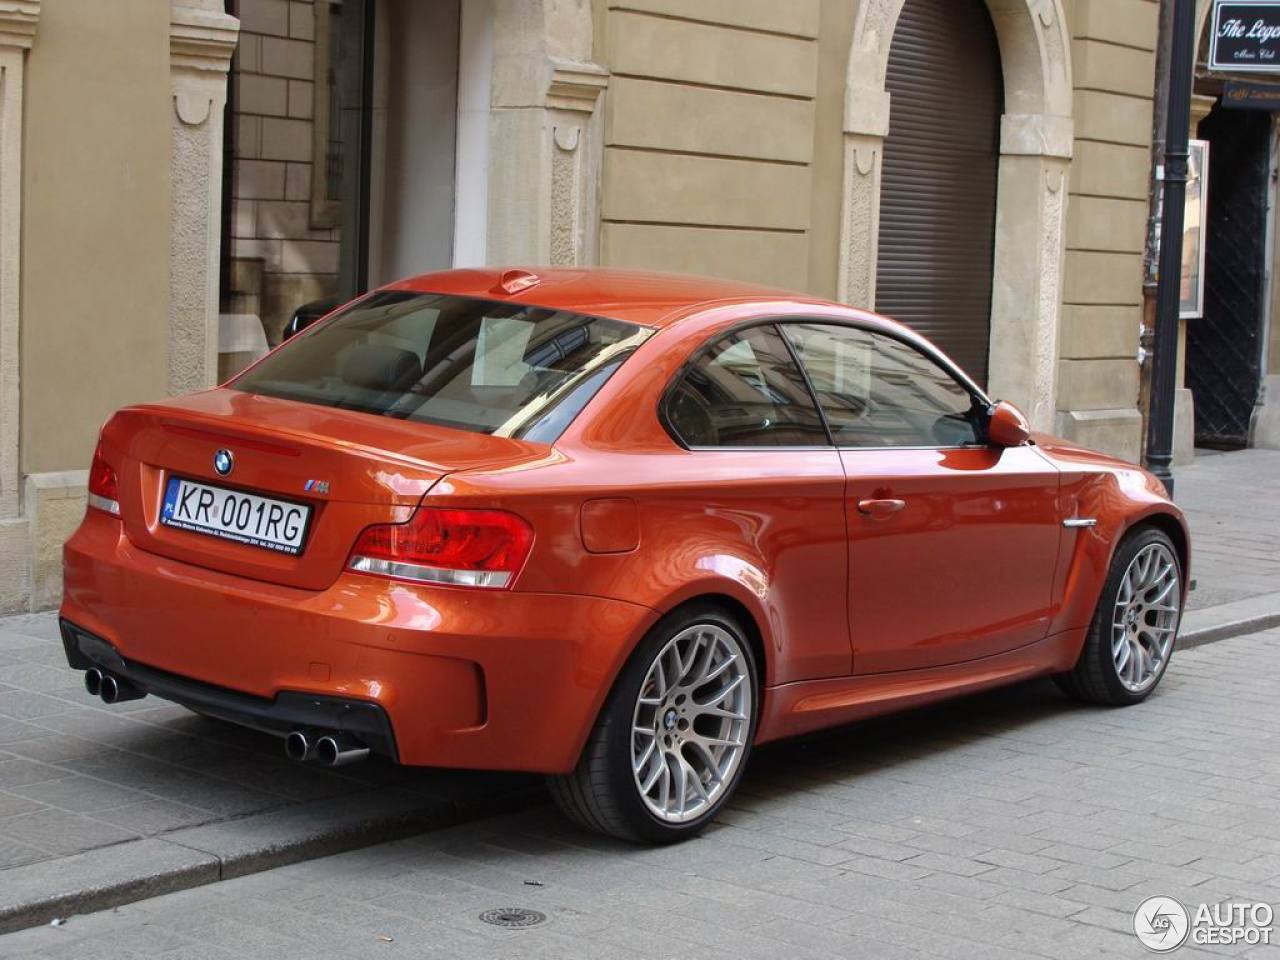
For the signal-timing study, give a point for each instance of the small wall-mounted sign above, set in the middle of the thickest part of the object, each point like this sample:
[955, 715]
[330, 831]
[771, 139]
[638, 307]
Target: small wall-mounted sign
[1241, 95]
[1194, 231]
[1246, 36]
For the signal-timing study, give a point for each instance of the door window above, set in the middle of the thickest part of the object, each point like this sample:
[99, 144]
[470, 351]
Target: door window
[877, 391]
[745, 390]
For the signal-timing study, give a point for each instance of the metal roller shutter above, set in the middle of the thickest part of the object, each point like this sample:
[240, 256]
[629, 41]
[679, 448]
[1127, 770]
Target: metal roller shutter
[941, 167]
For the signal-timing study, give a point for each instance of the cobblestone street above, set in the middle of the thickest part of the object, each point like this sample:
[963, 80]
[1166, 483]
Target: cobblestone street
[1010, 825]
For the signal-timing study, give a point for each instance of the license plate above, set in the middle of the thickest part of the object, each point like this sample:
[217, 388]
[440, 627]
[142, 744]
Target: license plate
[233, 515]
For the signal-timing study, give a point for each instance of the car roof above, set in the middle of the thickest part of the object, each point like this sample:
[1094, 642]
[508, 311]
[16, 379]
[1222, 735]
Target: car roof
[650, 298]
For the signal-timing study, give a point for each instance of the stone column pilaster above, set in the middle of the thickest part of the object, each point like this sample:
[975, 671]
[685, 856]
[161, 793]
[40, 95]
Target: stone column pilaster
[576, 148]
[546, 135]
[1026, 293]
[201, 41]
[17, 32]
[18, 20]
[866, 124]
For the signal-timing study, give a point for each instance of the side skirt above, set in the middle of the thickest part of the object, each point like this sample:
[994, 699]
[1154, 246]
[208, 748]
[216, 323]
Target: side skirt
[795, 708]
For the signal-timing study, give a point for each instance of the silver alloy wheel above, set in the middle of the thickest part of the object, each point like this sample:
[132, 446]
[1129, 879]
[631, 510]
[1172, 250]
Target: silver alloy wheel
[1145, 623]
[691, 722]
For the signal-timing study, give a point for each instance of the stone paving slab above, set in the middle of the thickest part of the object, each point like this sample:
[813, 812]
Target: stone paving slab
[1006, 826]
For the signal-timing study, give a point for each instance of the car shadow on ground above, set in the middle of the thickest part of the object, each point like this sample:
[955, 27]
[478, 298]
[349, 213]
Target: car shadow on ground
[902, 758]
[913, 740]
[909, 737]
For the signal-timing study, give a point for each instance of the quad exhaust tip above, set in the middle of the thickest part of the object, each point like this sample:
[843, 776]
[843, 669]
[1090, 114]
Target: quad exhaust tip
[299, 747]
[328, 750]
[338, 750]
[109, 688]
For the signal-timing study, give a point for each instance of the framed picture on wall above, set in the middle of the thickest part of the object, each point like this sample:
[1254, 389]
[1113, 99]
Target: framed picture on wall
[1193, 231]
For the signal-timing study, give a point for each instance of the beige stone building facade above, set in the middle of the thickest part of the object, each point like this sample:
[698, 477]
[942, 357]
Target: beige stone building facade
[178, 176]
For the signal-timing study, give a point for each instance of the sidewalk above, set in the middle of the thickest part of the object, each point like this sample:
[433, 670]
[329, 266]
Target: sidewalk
[102, 805]
[1233, 502]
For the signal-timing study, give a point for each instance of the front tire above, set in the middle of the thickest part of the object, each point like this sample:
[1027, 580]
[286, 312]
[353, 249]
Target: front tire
[1132, 635]
[673, 738]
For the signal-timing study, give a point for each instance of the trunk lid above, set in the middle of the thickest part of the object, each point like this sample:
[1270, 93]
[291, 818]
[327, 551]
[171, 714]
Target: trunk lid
[351, 469]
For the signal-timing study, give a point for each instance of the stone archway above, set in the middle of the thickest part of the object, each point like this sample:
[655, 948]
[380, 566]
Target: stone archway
[1035, 146]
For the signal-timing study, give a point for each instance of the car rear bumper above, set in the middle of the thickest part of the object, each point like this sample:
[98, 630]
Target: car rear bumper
[488, 679]
[279, 715]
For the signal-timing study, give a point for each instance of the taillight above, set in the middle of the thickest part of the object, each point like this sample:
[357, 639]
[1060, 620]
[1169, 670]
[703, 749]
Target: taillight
[104, 487]
[473, 548]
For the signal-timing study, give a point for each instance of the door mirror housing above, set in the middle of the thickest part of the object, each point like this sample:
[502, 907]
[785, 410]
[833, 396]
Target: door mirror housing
[1007, 427]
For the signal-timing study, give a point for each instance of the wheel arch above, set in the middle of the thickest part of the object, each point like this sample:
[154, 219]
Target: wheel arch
[720, 594]
[745, 618]
[1175, 529]
[1172, 525]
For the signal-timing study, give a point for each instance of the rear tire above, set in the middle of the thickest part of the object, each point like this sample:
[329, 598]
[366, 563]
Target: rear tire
[1133, 633]
[679, 721]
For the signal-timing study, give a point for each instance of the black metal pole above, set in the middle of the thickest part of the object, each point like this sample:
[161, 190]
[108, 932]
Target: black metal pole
[1164, 370]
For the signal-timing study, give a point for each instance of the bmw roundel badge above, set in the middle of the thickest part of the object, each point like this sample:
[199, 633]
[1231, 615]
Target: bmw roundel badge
[223, 462]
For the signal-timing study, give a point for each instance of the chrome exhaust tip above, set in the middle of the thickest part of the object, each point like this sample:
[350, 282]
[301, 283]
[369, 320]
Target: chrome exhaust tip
[116, 690]
[299, 747]
[338, 750]
[93, 681]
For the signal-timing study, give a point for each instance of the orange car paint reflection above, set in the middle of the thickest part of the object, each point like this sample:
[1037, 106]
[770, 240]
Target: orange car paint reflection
[974, 582]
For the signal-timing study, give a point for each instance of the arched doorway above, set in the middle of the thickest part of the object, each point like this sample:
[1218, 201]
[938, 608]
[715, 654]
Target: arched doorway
[1225, 345]
[1036, 143]
[941, 176]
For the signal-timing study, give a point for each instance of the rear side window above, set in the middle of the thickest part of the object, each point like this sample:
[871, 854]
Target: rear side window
[745, 390]
[478, 365]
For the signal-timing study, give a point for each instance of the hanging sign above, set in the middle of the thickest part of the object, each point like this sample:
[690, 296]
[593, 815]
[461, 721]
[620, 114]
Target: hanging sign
[1245, 37]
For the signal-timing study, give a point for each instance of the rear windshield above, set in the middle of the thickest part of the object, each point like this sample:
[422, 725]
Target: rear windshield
[497, 368]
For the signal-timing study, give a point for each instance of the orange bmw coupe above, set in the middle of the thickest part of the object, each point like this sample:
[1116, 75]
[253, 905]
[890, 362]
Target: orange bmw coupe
[613, 527]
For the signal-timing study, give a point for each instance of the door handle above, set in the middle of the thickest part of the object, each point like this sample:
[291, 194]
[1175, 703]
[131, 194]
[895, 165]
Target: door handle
[880, 509]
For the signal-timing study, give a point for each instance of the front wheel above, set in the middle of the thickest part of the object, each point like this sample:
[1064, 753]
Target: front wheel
[1131, 638]
[674, 735]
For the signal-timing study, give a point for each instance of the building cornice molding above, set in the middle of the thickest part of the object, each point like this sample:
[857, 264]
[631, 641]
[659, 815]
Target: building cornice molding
[201, 39]
[576, 84]
[18, 22]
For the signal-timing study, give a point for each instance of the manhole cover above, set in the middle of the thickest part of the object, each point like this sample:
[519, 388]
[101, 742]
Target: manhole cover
[513, 917]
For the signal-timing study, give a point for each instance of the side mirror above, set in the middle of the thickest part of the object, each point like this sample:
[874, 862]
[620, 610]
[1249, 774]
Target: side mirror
[1007, 427]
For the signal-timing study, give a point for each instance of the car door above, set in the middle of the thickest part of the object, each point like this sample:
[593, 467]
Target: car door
[953, 543]
[760, 495]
